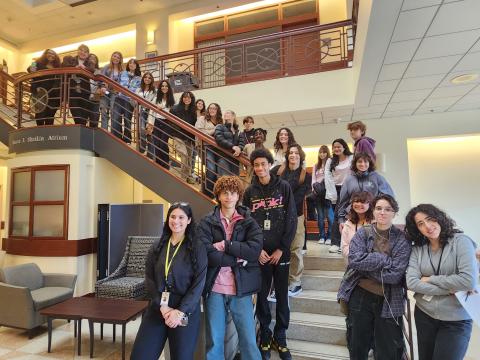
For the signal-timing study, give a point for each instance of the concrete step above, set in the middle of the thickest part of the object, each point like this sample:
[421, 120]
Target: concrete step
[315, 302]
[318, 328]
[307, 350]
[329, 262]
[321, 280]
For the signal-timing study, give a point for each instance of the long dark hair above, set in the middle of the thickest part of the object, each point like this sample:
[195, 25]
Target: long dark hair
[137, 71]
[170, 99]
[336, 158]
[202, 112]
[291, 139]
[447, 225]
[218, 118]
[320, 162]
[42, 61]
[192, 109]
[189, 232]
[143, 86]
[364, 197]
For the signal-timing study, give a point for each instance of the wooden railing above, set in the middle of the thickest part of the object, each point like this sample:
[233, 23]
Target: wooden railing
[62, 96]
[289, 53]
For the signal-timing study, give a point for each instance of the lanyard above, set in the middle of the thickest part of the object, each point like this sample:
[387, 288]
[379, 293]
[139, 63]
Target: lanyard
[436, 272]
[168, 264]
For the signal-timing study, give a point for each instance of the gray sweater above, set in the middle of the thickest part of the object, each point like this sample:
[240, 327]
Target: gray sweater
[458, 272]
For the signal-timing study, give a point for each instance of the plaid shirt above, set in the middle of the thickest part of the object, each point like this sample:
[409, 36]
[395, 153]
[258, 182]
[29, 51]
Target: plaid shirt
[365, 263]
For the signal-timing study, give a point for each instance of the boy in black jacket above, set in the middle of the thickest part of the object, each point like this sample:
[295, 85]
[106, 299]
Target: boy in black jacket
[273, 207]
[233, 241]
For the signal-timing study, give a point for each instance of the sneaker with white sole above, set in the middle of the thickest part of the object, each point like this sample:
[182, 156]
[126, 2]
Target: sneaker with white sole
[334, 249]
[328, 242]
[294, 290]
[304, 251]
[321, 241]
[271, 297]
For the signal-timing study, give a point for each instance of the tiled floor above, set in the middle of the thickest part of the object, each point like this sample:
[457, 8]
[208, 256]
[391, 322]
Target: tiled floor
[14, 344]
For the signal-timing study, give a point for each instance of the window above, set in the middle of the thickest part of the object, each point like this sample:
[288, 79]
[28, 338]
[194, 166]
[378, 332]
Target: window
[39, 202]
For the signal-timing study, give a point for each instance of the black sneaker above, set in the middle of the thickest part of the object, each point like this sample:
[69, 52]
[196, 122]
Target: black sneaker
[281, 347]
[265, 349]
[294, 290]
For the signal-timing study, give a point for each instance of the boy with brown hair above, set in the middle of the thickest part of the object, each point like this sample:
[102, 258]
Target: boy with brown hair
[362, 143]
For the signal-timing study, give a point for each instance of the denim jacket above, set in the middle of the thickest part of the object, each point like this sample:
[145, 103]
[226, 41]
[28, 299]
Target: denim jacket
[132, 83]
[364, 262]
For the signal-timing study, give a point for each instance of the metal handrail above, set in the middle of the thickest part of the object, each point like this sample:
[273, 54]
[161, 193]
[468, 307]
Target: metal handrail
[144, 103]
[252, 40]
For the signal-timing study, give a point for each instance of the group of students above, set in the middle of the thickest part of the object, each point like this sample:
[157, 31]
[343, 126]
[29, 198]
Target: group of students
[93, 102]
[256, 248]
[244, 247]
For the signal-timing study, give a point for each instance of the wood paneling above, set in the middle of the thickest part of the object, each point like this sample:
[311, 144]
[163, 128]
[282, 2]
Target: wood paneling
[49, 247]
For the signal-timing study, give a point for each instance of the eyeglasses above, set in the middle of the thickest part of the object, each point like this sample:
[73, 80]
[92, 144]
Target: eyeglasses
[386, 210]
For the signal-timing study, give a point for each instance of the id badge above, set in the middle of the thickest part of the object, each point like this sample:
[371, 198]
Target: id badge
[184, 321]
[427, 297]
[164, 299]
[266, 224]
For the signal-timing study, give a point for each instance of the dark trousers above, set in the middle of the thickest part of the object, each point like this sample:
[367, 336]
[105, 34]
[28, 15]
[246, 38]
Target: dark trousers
[79, 105]
[153, 333]
[160, 143]
[47, 116]
[441, 340]
[93, 113]
[365, 321]
[336, 236]
[279, 273]
[122, 108]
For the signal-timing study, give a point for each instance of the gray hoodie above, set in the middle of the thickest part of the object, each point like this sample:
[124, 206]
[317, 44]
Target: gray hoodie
[458, 272]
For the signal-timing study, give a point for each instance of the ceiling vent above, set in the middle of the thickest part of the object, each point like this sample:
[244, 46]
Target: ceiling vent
[74, 3]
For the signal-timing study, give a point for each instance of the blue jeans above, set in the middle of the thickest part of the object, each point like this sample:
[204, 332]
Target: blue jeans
[216, 166]
[445, 340]
[146, 141]
[241, 308]
[106, 106]
[325, 211]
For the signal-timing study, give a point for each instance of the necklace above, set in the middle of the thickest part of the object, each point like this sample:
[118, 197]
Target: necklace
[380, 235]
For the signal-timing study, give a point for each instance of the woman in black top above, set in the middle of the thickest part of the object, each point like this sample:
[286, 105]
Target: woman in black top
[174, 277]
[45, 89]
[227, 136]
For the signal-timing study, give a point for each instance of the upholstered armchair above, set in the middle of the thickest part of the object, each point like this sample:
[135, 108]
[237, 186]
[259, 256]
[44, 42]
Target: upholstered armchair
[128, 280]
[25, 290]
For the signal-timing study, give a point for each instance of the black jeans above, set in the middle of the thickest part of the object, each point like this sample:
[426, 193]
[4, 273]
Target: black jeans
[160, 141]
[79, 105]
[279, 273]
[153, 334]
[364, 317]
[437, 339]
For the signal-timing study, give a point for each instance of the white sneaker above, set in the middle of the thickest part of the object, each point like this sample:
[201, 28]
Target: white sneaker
[304, 251]
[334, 249]
[321, 241]
[294, 290]
[271, 297]
[328, 242]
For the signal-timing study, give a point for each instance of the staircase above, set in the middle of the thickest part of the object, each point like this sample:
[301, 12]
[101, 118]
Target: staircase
[317, 327]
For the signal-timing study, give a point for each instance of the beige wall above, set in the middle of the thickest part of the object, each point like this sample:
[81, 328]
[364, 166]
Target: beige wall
[332, 10]
[392, 136]
[446, 172]
[93, 181]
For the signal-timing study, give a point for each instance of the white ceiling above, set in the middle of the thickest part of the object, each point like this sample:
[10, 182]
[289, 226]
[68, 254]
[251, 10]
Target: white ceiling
[21, 22]
[429, 43]
[432, 42]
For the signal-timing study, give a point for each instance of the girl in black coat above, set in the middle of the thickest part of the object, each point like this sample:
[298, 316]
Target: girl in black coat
[174, 277]
[45, 89]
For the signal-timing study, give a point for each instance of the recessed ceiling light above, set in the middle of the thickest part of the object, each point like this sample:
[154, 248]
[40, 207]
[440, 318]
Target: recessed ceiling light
[464, 79]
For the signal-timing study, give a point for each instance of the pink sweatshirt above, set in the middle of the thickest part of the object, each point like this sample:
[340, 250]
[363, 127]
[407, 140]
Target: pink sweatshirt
[349, 230]
[225, 281]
